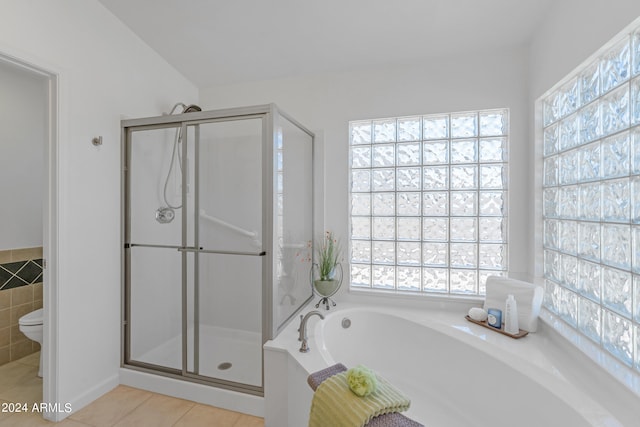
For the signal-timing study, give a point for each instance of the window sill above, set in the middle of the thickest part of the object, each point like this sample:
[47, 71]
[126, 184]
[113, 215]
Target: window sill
[415, 299]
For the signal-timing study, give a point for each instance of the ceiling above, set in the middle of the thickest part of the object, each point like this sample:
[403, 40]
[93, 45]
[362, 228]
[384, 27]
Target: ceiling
[219, 42]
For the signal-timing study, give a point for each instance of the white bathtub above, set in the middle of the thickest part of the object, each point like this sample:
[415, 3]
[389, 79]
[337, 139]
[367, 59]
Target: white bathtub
[456, 373]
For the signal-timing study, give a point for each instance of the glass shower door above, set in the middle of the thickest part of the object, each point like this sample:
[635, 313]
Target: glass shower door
[154, 264]
[225, 309]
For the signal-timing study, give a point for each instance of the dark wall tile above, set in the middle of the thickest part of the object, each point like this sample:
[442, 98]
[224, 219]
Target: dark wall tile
[16, 274]
[13, 267]
[29, 272]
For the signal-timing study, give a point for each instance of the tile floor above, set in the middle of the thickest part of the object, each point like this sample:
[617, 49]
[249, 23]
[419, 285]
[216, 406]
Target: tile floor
[121, 407]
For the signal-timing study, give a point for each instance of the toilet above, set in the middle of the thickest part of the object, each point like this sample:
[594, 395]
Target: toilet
[31, 327]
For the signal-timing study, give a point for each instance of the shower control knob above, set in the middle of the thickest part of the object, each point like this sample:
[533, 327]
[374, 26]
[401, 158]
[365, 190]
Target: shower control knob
[165, 215]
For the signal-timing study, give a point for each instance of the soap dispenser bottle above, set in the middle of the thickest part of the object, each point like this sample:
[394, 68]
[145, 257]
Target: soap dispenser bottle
[511, 316]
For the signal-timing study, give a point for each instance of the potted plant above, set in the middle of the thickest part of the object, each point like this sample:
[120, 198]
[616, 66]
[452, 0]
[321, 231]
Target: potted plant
[328, 251]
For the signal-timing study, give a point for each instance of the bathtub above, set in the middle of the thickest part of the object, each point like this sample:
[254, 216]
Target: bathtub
[456, 373]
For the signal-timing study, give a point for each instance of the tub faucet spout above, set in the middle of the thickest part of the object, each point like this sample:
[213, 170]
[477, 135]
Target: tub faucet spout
[304, 348]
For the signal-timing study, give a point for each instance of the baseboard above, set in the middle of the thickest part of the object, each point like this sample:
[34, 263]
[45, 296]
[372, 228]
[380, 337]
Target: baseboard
[65, 409]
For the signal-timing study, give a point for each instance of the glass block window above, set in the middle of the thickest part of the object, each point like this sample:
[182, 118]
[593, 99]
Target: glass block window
[591, 200]
[429, 202]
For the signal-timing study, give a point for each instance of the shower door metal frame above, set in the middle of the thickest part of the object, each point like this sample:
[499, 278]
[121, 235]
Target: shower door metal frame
[196, 249]
[269, 114]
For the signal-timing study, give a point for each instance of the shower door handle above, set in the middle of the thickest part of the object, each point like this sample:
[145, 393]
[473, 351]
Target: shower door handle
[202, 250]
[189, 249]
[263, 253]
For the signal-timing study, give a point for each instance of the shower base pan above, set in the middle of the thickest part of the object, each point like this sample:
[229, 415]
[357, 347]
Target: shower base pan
[226, 354]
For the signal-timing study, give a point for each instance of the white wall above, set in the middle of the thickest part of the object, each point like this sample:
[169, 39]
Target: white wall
[23, 119]
[105, 72]
[572, 31]
[326, 103]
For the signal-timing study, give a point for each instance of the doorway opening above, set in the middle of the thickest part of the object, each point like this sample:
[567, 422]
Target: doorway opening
[28, 236]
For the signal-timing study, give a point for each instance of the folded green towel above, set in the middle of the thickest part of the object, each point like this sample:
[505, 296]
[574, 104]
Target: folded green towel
[362, 380]
[335, 405]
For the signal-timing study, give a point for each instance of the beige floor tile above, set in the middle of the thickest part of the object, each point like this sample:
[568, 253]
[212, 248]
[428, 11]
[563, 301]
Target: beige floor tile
[28, 391]
[203, 415]
[122, 406]
[157, 411]
[112, 407]
[24, 420]
[249, 421]
[31, 360]
[70, 423]
[13, 374]
[3, 415]
[35, 420]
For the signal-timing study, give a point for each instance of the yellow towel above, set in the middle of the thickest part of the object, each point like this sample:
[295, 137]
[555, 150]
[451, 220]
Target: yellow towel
[335, 405]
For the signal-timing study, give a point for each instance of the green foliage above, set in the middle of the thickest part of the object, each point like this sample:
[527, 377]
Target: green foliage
[328, 254]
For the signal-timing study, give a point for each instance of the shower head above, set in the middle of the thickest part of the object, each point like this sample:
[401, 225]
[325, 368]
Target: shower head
[185, 108]
[191, 108]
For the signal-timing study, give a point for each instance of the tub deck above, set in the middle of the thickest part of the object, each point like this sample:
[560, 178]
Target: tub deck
[548, 372]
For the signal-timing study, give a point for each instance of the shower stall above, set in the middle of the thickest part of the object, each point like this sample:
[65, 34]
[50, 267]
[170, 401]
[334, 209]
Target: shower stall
[217, 240]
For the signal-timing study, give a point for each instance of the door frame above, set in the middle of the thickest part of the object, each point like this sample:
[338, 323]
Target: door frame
[50, 222]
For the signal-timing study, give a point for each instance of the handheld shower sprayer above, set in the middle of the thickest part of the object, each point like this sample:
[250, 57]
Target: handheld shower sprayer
[165, 214]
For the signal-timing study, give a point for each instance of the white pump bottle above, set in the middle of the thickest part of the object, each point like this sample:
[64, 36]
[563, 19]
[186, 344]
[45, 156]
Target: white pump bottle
[511, 316]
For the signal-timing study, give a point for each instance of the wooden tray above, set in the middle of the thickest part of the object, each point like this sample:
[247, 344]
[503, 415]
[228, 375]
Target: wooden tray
[520, 334]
